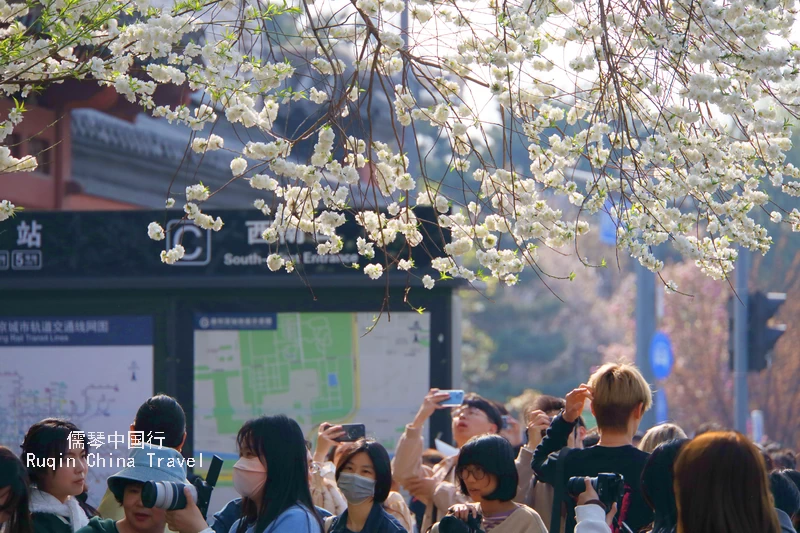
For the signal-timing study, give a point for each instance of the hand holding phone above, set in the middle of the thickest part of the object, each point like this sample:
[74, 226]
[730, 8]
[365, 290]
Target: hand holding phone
[352, 432]
[456, 398]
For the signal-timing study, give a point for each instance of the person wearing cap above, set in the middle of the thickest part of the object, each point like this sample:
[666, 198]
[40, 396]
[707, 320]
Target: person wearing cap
[150, 463]
[162, 419]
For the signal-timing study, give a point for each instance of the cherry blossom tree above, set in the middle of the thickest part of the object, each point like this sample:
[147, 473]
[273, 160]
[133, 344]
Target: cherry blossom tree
[677, 111]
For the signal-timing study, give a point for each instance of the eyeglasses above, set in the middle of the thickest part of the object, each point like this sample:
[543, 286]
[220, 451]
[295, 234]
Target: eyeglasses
[465, 412]
[476, 472]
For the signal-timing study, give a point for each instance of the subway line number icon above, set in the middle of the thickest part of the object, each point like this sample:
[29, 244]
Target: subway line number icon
[196, 242]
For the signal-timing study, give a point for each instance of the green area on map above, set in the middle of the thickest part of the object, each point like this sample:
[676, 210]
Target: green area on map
[261, 369]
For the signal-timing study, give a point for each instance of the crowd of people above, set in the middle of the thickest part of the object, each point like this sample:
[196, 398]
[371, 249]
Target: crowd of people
[555, 476]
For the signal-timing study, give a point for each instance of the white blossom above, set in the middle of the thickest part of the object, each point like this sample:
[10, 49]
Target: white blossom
[405, 264]
[172, 256]
[275, 262]
[7, 210]
[428, 282]
[374, 271]
[197, 193]
[155, 231]
[318, 97]
[238, 166]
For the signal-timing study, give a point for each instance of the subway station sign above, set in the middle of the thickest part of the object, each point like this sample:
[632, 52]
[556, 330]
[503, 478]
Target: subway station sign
[115, 245]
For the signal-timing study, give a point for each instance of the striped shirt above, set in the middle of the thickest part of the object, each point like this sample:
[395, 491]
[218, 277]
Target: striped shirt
[491, 522]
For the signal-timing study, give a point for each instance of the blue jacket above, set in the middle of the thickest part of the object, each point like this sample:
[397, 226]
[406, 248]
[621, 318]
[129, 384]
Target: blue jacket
[378, 521]
[229, 516]
[786, 522]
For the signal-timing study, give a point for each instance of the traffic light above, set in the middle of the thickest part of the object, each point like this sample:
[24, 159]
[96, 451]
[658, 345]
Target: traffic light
[761, 336]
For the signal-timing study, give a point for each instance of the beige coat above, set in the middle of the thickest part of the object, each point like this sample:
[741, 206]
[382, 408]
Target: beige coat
[523, 520]
[538, 497]
[407, 464]
[324, 492]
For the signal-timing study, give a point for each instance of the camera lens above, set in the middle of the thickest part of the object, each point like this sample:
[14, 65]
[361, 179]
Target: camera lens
[166, 495]
[576, 485]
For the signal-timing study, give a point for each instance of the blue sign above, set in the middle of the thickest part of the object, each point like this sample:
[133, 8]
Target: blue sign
[76, 331]
[661, 358]
[661, 407]
[608, 225]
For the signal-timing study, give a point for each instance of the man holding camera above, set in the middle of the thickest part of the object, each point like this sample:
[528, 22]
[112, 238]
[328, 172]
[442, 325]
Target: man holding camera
[150, 463]
[619, 396]
[160, 415]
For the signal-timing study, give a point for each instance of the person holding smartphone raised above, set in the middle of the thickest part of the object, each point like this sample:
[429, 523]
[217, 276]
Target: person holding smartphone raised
[437, 488]
[332, 446]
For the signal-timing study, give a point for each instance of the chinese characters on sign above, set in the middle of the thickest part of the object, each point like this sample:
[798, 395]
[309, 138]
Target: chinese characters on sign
[28, 258]
[53, 326]
[29, 235]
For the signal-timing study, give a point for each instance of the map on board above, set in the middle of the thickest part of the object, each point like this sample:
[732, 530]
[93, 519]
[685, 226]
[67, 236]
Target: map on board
[91, 371]
[313, 367]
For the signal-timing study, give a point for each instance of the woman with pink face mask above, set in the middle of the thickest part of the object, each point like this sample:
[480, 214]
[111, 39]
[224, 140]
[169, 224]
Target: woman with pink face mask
[271, 475]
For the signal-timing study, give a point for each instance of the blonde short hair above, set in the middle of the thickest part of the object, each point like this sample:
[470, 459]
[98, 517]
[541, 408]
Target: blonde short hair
[617, 389]
[659, 434]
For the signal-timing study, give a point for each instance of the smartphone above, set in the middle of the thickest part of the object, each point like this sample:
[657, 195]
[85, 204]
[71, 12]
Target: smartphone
[352, 432]
[456, 398]
[505, 421]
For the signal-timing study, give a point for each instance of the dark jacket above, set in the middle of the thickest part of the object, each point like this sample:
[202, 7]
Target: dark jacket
[378, 521]
[50, 523]
[625, 460]
[100, 525]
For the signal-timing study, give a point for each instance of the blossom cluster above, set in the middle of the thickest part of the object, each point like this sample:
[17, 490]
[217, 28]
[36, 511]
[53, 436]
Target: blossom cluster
[676, 115]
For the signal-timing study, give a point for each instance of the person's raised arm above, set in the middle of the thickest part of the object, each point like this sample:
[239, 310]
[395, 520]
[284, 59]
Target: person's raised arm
[325, 440]
[558, 434]
[538, 422]
[407, 462]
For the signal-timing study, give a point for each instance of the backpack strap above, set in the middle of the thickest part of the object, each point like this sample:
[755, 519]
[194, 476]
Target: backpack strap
[558, 490]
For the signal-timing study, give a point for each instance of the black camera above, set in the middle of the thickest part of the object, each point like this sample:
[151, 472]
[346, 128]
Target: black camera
[451, 524]
[169, 495]
[609, 487]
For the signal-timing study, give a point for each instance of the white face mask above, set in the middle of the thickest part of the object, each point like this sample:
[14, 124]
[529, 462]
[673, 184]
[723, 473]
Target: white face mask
[356, 489]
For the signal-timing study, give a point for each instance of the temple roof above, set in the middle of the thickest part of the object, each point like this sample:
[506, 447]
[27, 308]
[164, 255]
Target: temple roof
[135, 163]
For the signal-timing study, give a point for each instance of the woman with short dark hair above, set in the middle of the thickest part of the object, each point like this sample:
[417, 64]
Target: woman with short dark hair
[364, 477]
[487, 474]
